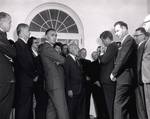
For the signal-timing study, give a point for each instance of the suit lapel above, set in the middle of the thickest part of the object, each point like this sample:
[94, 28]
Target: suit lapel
[139, 61]
[3, 37]
[72, 59]
[76, 63]
[122, 45]
[140, 54]
[125, 40]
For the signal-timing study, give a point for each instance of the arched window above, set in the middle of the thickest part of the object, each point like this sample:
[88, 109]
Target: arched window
[60, 17]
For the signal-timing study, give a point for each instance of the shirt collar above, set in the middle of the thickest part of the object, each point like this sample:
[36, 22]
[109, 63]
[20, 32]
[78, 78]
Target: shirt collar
[124, 38]
[73, 57]
[141, 43]
[23, 40]
[49, 43]
[1, 29]
[34, 52]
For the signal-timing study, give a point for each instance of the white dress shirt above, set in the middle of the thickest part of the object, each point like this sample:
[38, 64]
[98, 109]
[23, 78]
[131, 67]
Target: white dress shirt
[23, 40]
[73, 57]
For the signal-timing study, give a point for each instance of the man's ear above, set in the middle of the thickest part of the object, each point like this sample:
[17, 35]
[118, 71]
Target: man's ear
[46, 37]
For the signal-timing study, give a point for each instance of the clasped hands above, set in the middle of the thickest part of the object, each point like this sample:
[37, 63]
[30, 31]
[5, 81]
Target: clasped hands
[112, 77]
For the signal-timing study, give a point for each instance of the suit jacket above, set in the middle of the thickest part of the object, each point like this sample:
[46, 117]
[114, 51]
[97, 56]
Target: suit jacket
[7, 53]
[73, 75]
[38, 69]
[94, 71]
[125, 65]
[53, 71]
[24, 65]
[85, 65]
[107, 63]
[140, 52]
[146, 63]
[139, 91]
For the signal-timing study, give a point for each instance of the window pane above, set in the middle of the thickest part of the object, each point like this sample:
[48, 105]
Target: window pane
[64, 31]
[54, 14]
[34, 27]
[50, 24]
[69, 21]
[38, 20]
[45, 15]
[62, 16]
[61, 27]
[73, 29]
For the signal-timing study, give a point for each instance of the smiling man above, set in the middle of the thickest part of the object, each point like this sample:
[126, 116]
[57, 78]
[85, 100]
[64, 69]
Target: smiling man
[124, 71]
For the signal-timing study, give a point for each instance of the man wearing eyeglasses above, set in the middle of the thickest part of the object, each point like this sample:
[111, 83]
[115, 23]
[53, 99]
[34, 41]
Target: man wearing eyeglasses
[143, 72]
[140, 35]
[141, 38]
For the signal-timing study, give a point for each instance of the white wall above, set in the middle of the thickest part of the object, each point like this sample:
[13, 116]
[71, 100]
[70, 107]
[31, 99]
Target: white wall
[96, 15]
[148, 5]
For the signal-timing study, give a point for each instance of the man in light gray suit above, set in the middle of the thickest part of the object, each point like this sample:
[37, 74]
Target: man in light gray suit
[146, 75]
[51, 60]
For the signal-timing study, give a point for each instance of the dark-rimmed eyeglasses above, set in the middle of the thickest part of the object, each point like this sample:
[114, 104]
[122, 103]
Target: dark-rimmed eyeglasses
[138, 35]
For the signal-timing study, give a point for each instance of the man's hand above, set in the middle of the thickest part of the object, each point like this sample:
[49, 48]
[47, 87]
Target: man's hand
[112, 77]
[103, 50]
[9, 58]
[35, 79]
[97, 83]
[57, 63]
[88, 78]
[70, 93]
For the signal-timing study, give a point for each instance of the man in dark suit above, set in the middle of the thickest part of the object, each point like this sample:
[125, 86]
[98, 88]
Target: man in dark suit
[107, 61]
[51, 61]
[124, 73]
[74, 83]
[141, 39]
[7, 53]
[25, 74]
[39, 91]
[97, 93]
[87, 87]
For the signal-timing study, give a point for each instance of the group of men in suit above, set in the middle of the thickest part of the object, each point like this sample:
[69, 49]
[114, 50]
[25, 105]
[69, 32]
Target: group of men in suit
[123, 72]
[130, 93]
[61, 92]
[118, 77]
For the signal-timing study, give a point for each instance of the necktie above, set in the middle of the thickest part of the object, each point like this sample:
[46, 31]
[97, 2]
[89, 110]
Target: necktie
[77, 62]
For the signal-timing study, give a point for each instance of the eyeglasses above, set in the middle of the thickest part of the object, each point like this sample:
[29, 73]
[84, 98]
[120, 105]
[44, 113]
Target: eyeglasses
[138, 35]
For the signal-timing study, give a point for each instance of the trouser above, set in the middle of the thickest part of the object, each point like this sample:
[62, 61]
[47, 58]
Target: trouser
[6, 99]
[24, 103]
[99, 101]
[41, 98]
[57, 106]
[147, 98]
[109, 94]
[140, 102]
[88, 92]
[124, 104]
[77, 106]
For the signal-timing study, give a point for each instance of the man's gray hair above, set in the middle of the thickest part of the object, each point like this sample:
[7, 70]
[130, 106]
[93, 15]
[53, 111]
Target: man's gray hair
[72, 47]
